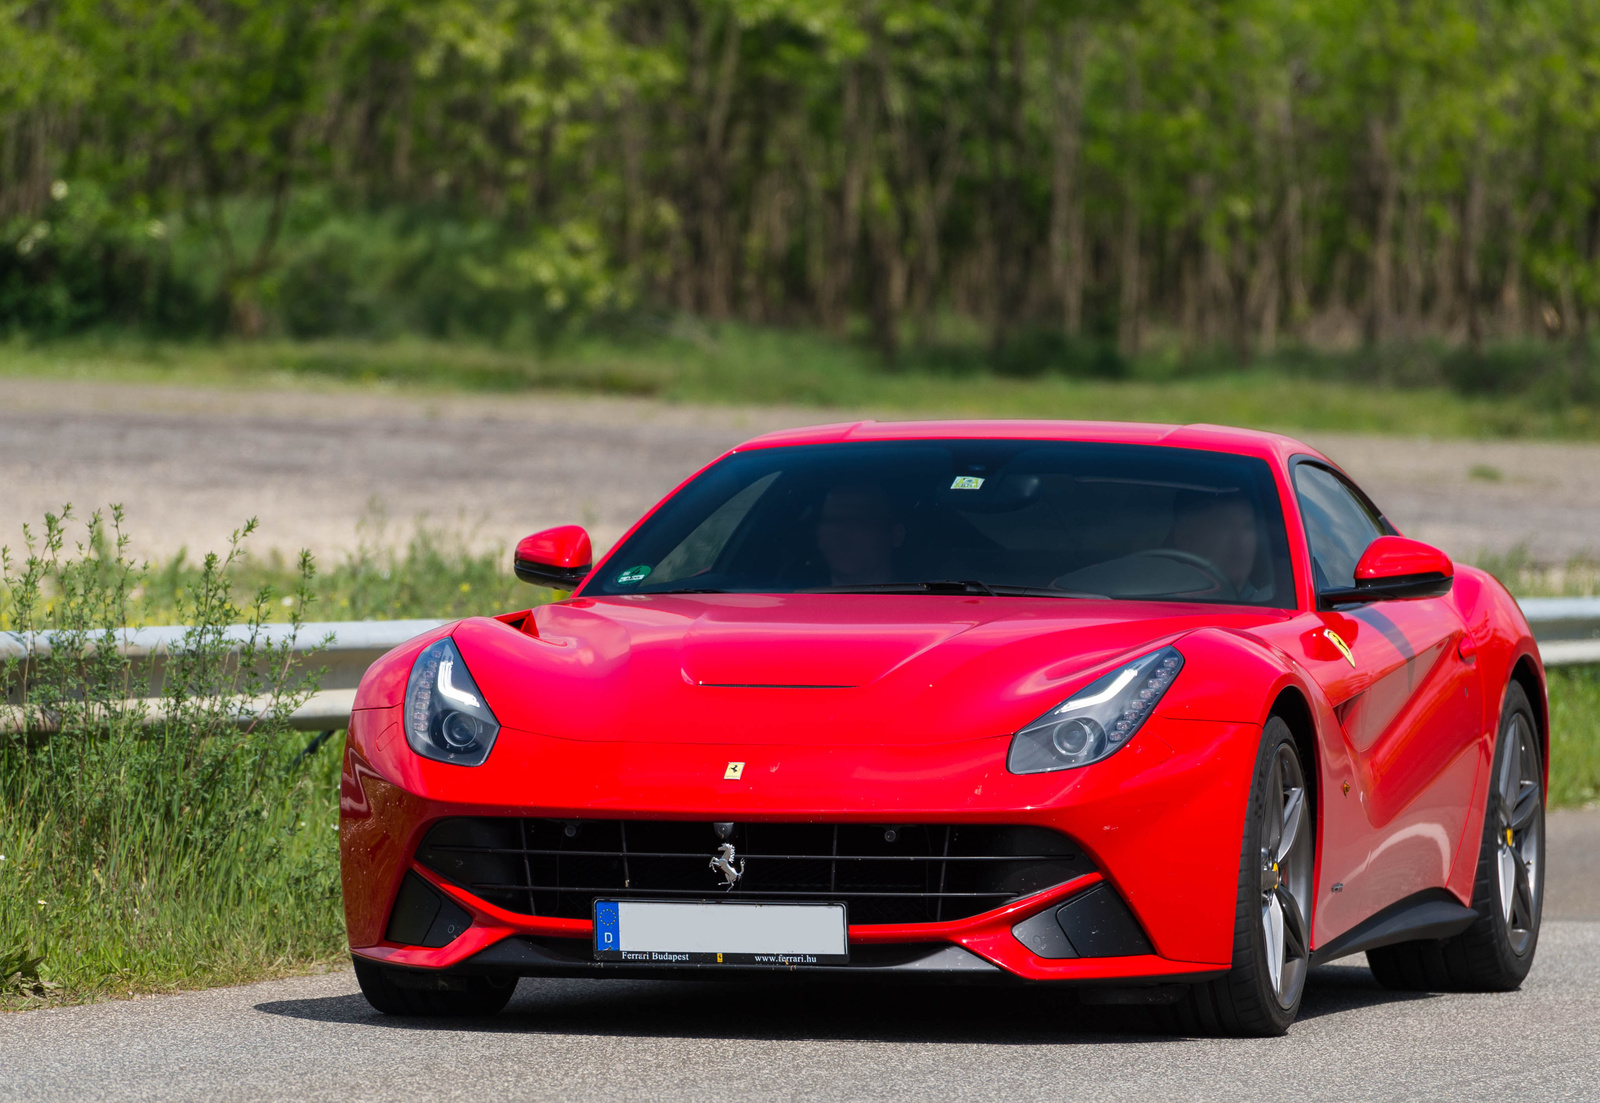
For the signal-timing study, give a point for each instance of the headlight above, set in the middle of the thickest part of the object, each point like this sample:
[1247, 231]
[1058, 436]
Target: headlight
[446, 717]
[1098, 719]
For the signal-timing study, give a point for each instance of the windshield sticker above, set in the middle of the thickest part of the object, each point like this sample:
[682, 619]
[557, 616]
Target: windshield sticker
[966, 482]
[633, 574]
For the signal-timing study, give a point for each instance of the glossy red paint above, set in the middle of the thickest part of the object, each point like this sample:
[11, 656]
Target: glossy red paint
[565, 546]
[872, 708]
[1390, 557]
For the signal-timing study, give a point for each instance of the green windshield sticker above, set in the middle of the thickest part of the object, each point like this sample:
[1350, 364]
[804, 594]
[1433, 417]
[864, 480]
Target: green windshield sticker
[633, 574]
[966, 482]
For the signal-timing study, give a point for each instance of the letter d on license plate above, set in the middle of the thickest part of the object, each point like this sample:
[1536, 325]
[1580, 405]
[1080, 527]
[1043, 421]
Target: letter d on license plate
[649, 932]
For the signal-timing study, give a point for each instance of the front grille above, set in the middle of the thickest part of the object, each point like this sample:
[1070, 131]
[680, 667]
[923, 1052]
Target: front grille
[883, 873]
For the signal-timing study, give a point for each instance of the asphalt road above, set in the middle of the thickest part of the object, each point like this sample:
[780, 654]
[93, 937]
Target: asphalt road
[316, 1038]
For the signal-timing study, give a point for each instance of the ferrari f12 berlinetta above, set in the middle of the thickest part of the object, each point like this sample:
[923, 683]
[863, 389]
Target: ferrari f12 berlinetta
[1165, 714]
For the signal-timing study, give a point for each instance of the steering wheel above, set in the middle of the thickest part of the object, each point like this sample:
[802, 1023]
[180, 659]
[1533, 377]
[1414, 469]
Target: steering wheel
[1198, 562]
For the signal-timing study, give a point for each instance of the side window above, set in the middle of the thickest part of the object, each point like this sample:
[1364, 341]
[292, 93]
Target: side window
[1339, 526]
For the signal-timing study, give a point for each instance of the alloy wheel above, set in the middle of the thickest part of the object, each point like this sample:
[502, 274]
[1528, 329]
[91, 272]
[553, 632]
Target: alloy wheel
[1285, 875]
[1519, 805]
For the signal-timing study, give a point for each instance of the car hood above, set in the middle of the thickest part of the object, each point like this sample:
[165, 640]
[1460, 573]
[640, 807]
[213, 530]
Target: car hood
[746, 669]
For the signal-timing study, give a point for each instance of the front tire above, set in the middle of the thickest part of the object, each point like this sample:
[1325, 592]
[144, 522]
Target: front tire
[1496, 952]
[464, 997]
[1260, 995]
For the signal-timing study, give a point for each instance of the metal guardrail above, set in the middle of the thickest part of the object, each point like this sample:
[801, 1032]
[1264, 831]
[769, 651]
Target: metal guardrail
[1568, 631]
[1567, 628]
[354, 646]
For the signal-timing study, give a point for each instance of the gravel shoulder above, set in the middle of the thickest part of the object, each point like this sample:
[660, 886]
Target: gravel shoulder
[190, 464]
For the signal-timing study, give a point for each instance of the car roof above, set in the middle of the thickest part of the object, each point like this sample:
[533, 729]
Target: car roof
[1215, 438]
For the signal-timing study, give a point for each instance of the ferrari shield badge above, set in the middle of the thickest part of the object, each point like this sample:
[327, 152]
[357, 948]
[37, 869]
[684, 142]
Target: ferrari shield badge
[734, 771]
[1344, 648]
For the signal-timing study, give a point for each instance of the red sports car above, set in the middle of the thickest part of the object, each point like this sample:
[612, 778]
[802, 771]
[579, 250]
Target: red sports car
[1166, 714]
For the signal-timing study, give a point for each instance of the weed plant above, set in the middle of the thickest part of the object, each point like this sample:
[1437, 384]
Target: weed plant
[155, 835]
[1524, 576]
[433, 572]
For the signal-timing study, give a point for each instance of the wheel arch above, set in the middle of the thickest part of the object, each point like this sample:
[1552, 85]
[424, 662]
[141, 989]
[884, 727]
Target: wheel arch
[1527, 674]
[1291, 706]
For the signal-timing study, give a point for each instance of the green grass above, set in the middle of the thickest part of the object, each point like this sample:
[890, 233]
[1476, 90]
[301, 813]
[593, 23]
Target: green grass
[689, 362]
[142, 851]
[1574, 735]
[195, 852]
[1525, 577]
[138, 911]
[432, 574]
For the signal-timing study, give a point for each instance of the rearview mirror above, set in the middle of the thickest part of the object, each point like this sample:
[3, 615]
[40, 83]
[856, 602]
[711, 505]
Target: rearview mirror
[560, 557]
[1393, 567]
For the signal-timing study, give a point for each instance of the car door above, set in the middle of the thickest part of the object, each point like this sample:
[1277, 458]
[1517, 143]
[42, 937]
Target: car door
[1403, 685]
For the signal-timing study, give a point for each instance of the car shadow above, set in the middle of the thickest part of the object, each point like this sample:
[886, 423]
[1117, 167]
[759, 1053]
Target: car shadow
[1335, 989]
[825, 1010]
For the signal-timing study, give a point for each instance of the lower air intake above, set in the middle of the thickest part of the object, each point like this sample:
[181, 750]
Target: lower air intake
[917, 873]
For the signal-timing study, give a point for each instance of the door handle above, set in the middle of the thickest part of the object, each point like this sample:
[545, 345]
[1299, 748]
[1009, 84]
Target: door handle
[1467, 649]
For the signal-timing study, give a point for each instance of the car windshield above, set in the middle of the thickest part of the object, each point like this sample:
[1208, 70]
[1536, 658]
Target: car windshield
[1004, 517]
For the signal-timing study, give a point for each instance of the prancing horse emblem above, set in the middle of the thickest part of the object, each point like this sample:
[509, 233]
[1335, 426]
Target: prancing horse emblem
[722, 862]
[1344, 648]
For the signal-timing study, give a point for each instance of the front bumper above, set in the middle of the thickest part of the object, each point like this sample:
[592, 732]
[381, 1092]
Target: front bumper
[1162, 821]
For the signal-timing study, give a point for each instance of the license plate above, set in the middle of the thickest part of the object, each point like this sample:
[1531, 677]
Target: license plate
[650, 932]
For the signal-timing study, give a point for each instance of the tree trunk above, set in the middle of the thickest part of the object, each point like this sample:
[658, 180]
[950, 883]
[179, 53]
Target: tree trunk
[1006, 251]
[631, 141]
[1266, 291]
[717, 245]
[1471, 244]
[1446, 280]
[1294, 259]
[1068, 54]
[1511, 315]
[845, 233]
[1189, 294]
[1411, 268]
[1129, 300]
[1380, 294]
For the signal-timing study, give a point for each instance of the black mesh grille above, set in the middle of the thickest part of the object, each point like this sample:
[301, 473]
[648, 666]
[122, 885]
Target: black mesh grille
[917, 873]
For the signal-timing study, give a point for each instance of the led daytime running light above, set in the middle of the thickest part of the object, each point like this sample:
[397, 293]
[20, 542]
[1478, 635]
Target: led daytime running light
[446, 718]
[1098, 720]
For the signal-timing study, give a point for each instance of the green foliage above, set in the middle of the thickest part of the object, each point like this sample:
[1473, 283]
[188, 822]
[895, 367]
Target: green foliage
[1574, 736]
[1219, 179]
[86, 261]
[154, 835]
[411, 272]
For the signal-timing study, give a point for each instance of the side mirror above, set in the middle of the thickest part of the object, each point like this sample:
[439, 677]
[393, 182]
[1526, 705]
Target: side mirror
[560, 557]
[1393, 567]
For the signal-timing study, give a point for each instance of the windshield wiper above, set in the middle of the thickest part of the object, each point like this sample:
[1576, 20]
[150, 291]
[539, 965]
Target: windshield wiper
[952, 586]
